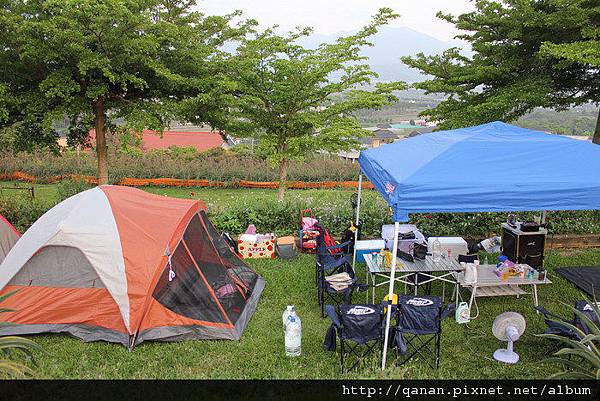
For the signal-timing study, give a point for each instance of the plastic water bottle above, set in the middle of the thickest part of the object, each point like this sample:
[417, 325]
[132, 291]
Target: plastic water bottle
[287, 312]
[436, 250]
[293, 335]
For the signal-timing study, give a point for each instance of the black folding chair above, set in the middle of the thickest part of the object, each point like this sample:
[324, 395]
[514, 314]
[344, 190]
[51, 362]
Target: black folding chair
[331, 259]
[330, 263]
[560, 326]
[359, 329]
[418, 330]
[328, 294]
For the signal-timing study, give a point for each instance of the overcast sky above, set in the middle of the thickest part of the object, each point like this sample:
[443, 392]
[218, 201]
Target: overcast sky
[332, 16]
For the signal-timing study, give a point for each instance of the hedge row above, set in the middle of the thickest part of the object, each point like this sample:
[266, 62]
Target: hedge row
[176, 182]
[214, 165]
[282, 217]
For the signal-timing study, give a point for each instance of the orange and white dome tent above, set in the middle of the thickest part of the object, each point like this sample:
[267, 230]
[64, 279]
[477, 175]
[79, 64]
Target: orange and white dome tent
[119, 264]
[8, 237]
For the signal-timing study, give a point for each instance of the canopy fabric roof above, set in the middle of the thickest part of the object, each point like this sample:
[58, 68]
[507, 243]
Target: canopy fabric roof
[493, 167]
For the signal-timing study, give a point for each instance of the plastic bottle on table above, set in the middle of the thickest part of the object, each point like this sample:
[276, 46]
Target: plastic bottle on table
[436, 250]
[293, 335]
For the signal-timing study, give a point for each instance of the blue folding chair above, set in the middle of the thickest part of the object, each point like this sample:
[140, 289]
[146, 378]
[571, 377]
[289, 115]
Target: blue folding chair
[330, 260]
[359, 329]
[418, 330]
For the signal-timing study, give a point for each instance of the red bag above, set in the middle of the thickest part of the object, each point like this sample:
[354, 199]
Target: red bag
[329, 241]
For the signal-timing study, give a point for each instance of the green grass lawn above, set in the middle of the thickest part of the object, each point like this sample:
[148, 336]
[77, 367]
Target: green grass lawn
[466, 349]
[211, 196]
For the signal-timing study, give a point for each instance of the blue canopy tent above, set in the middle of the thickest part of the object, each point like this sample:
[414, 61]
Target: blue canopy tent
[488, 168]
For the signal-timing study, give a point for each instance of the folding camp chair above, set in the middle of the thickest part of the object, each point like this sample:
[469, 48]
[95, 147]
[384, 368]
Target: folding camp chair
[330, 257]
[418, 330]
[560, 326]
[329, 290]
[359, 329]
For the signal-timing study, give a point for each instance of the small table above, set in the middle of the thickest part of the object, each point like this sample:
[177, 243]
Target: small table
[490, 285]
[446, 271]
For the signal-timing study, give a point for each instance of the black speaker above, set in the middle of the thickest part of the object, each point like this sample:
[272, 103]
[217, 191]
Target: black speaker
[524, 247]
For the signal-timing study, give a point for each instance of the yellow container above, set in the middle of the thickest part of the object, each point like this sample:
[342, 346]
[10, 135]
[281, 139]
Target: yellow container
[388, 258]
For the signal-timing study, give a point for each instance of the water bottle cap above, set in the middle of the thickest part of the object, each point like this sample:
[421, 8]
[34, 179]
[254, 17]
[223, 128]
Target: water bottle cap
[502, 258]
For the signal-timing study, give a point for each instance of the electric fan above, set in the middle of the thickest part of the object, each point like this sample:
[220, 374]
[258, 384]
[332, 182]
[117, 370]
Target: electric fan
[508, 326]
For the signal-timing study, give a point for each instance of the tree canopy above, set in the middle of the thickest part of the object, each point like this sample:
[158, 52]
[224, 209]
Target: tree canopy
[144, 62]
[525, 54]
[297, 100]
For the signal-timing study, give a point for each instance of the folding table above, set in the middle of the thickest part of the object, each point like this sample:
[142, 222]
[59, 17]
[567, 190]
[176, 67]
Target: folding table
[445, 270]
[490, 285]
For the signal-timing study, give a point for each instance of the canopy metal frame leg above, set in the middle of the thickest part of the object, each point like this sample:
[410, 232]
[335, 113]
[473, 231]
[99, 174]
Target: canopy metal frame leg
[360, 178]
[390, 295]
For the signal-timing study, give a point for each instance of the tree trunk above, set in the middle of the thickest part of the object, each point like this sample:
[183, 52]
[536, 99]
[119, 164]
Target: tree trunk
[596, 138]
[101, 148]
[283, 166]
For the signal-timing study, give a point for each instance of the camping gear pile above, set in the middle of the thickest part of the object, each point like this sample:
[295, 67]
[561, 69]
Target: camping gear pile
[252, 245]
[286, 248]
[121, 265]
[308, 231]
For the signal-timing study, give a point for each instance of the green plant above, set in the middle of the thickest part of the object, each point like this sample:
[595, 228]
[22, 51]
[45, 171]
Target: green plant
[22, 211]
[99, 62]
[217, 165]
[580, 358]
[511, 70]
[13, 349]
[69, 187]
[184, 153]
[288, 99]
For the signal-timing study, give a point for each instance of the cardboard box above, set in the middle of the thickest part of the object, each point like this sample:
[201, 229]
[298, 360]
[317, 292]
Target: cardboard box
[256, 249]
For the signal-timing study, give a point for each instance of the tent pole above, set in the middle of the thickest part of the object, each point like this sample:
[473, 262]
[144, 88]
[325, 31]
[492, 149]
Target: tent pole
[360, 176]
[390, 294]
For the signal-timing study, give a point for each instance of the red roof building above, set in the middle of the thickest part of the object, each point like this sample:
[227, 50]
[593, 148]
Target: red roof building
[151, 140]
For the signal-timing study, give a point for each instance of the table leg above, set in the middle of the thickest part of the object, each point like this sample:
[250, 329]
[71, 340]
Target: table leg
[456, 294]
[443, 291]
[535, 296]
[368, 274]
[374, 278]
[473, 290]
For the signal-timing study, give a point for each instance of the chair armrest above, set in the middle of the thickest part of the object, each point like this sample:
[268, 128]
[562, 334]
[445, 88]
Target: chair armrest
[343, 245]
[447, 311]
[330, 311]
[549, 314]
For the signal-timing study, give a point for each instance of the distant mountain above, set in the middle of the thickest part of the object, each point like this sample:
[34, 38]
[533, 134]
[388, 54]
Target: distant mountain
[391, 43]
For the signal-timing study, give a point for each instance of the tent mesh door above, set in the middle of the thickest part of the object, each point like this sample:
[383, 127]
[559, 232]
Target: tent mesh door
[230, 294]
[186, 294]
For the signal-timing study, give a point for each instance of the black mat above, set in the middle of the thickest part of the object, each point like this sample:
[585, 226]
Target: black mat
[587, 279]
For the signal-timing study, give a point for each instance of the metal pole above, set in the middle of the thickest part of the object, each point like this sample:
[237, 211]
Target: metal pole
[357, 216]
[390, 294]
[543, 219]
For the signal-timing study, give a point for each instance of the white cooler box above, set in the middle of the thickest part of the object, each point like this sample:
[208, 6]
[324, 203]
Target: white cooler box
[456, 245]
[405, 245]
[364, 247]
